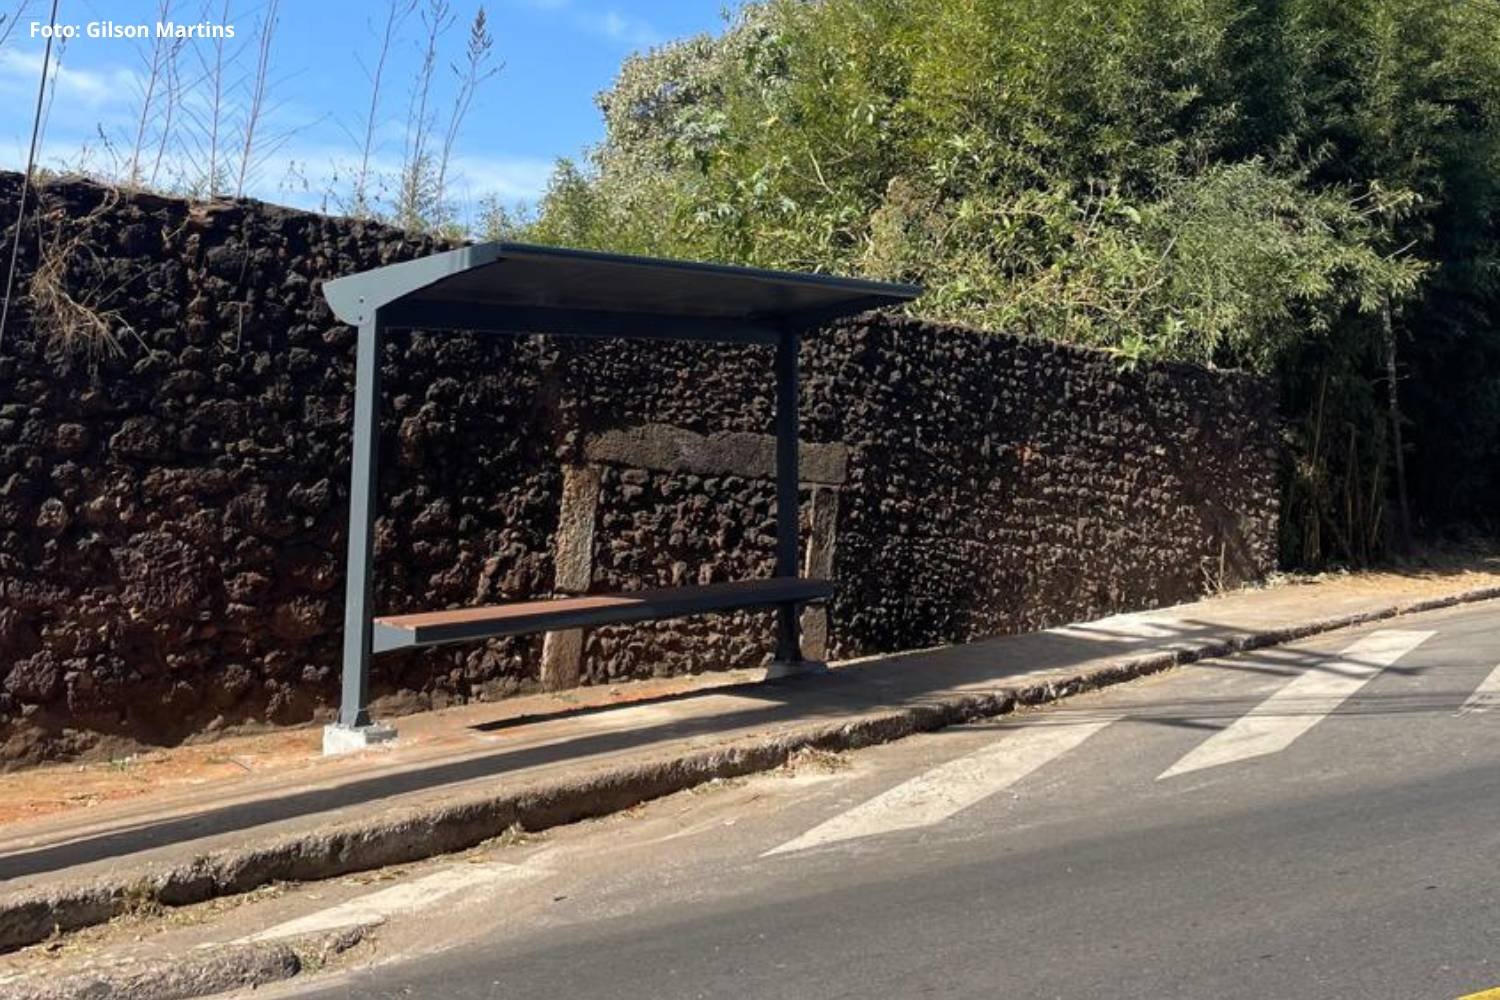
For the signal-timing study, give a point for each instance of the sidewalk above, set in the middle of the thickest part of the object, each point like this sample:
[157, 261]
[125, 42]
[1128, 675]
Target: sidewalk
[81, 843]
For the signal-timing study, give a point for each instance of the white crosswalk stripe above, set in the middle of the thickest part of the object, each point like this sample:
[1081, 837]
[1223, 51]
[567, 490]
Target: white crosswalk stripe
[405, 897]
[1485, 697]
[1301, 704]
[952, 787]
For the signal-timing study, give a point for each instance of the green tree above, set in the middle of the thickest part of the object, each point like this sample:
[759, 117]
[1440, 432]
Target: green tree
[1297, 187]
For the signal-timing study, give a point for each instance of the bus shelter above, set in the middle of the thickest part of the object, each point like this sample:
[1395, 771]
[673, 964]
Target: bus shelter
[505, 288]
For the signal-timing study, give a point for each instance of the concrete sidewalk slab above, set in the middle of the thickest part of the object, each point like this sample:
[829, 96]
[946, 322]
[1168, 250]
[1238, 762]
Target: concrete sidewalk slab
[461, 776]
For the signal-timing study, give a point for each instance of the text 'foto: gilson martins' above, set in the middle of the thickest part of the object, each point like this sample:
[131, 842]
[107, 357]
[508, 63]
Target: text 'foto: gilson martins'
[116, 29]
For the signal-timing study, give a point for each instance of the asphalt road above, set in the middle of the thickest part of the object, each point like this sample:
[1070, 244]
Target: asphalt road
[1317, 821]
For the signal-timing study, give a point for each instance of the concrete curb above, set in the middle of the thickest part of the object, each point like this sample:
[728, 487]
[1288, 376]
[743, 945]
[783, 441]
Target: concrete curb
[407, 834]
[202, 973]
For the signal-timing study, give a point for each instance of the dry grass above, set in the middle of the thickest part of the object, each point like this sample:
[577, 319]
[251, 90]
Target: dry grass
[816, 760]
[713, 785]
[70, 294]
[140, 902]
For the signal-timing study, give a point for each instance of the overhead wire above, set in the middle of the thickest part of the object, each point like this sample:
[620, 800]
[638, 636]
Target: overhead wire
[36, 131]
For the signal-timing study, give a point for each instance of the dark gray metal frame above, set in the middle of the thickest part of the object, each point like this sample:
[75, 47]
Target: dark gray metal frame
[380, 300]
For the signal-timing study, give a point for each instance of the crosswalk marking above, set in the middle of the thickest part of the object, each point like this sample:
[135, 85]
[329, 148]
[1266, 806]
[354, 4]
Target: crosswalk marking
[416, 894]
[1300, 704]
[952, 787]
[1485, 697]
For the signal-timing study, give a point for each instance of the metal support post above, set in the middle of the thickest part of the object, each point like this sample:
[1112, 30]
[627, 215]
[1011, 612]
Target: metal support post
[354, 728]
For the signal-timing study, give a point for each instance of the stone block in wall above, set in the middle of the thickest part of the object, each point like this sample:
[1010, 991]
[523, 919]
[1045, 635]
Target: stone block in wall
[573, 550]
[573, 562]
[562, 659]
[677, 449]
[819, 548]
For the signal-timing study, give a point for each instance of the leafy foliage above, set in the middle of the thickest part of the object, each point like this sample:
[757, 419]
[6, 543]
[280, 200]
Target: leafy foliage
[1265, 184]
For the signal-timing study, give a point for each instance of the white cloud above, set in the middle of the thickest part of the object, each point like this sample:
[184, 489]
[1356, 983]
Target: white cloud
[308, 161]
[93, 88]
[309, 172]
[610, 23]
[512, 178]
[319, 176]
[617, 27]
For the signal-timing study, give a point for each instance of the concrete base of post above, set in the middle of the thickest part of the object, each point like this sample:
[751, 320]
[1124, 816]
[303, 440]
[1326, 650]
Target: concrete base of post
[346, 739]
[797, 668]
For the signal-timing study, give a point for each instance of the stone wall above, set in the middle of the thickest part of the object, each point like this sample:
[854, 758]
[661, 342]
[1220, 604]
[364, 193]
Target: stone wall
[172, 504]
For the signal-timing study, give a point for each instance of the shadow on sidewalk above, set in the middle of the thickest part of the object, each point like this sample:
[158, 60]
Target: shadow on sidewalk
[881, 683]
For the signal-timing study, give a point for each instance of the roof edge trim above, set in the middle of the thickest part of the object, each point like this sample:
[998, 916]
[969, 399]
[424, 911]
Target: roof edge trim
[356, 297]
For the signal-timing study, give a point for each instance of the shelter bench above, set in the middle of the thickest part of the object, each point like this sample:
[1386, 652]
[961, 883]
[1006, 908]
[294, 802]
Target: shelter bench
[431, 628]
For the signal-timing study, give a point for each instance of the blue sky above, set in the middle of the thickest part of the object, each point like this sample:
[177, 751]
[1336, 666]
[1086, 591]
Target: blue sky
[557, 55]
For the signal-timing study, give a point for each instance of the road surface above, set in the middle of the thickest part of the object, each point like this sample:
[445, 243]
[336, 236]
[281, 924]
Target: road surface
[1320, 820]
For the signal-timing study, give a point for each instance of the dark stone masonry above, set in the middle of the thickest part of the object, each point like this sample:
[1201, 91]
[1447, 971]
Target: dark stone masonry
[174, 440]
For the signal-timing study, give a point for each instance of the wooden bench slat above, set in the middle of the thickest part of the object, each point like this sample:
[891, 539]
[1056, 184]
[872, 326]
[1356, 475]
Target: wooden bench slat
[428, 628]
